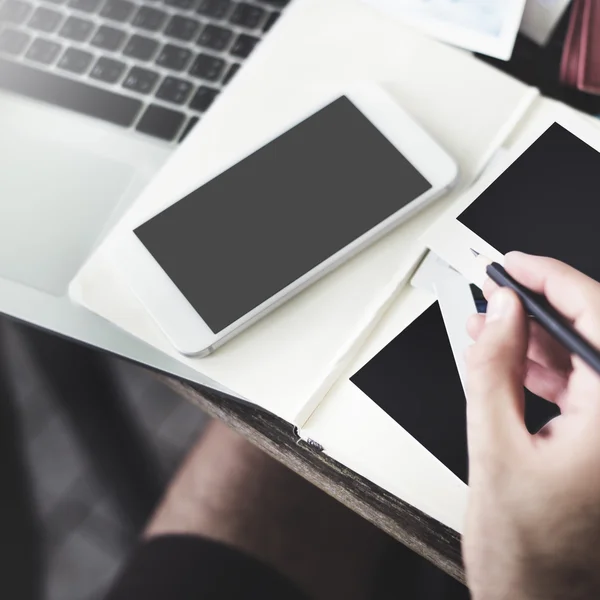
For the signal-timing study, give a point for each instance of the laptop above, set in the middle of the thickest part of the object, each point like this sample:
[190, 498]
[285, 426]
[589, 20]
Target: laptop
[94, 97]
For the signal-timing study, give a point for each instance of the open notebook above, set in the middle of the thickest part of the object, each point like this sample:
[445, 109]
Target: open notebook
[305, 361]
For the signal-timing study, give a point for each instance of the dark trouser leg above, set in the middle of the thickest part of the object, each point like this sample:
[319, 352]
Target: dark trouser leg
[85, 386]
[20, 539]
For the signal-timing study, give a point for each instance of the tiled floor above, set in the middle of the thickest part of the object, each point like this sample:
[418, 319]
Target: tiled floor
[84, 538]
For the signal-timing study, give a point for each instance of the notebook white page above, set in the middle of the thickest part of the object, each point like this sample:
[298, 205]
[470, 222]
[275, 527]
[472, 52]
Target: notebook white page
[468, 106]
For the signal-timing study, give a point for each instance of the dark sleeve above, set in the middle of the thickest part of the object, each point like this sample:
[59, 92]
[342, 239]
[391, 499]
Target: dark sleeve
[193, 568]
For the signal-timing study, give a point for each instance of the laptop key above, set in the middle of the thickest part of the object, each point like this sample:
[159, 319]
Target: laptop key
[117, 10]
[246, 15]
[203, 98]
[76, 29]
[14, 11]
[108, 38]
[233, 69]
[189, 126]
[13, 42]
[75, 61]
[182, 28]
[161, 122]
[174, 90]
[68, 93]
[243, 45]
[141, 47]
[43, 51]
[44, 19]
[88, 6]
[184, 4]
[174, 58]
[217, 9]
[149, 18]
[140, 80]
[108, 70]
[276, 3]
[215, 38]
[208, 67]
[271, 20]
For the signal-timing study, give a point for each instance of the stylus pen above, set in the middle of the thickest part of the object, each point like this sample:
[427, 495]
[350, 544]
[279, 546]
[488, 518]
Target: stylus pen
[547, 316]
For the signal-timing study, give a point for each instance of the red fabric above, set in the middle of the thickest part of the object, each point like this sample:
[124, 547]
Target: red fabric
[589, 63]
[569, 67]
[580, 64]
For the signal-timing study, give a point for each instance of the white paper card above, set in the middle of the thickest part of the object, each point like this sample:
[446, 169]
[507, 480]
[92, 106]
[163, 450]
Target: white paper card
[541, 17]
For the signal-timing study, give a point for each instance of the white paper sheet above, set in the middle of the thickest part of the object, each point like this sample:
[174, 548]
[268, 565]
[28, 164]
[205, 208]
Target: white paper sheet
[359, 434]
[486, 26]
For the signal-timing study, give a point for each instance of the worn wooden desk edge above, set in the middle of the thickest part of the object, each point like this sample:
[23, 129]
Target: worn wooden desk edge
[423, 534]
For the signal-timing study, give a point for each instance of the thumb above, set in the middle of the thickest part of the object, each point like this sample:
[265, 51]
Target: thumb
[496, 371]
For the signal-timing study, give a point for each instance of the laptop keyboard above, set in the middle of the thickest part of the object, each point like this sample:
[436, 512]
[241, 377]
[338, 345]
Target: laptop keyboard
[155, 66]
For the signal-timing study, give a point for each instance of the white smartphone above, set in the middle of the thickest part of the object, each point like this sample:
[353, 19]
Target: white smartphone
[278, 219]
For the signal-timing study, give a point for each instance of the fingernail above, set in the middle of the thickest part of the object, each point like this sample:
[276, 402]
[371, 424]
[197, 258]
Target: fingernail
[499, 305]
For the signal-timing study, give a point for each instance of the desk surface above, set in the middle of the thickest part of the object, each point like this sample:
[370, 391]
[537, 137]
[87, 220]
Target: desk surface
[403, 522]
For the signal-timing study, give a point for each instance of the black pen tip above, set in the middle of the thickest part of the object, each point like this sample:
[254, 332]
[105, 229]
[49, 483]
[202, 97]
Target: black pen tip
[475, 253]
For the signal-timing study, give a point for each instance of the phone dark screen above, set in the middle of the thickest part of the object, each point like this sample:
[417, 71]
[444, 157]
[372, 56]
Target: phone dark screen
[415, 380]
[247, 234]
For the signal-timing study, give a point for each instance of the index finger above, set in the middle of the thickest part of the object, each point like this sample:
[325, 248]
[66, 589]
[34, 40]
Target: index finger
[572, 293]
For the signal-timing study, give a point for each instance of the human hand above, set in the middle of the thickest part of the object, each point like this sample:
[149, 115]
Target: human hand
[533, 522]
